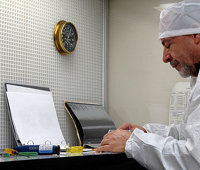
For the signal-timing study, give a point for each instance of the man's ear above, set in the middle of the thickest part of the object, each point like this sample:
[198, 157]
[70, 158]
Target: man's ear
[196, 38]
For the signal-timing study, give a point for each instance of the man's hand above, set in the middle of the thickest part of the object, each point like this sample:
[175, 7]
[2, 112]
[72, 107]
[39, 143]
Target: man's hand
[114, 141]
[128, 126]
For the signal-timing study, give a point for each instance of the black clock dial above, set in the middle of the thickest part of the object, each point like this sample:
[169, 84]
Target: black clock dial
[69, 37]
[65, 37]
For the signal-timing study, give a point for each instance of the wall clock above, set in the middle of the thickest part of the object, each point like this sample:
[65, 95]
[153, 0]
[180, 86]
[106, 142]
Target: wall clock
[65, 37]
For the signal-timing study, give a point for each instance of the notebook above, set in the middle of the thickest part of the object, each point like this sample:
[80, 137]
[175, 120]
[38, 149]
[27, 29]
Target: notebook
[33, 116]
[91, 122]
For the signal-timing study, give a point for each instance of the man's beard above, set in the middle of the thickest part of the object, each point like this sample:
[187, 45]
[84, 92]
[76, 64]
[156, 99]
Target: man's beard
[185, 71]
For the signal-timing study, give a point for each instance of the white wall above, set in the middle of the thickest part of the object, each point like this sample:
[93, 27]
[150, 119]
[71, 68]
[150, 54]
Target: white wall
[28, 55]
[139, 83]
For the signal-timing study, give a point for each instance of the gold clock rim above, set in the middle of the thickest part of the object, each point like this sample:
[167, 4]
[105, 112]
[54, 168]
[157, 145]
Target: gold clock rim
[58, 37]
[57, 30]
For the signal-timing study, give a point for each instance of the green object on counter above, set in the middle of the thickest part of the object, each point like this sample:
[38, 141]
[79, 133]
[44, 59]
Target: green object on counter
[27, 153]
[6, 155]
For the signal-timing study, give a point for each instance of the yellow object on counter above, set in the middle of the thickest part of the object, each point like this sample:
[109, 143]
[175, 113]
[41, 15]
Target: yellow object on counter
[10, 151]
[74, 149]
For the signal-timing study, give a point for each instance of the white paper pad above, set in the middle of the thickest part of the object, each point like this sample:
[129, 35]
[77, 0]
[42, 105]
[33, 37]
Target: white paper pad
[34, 118]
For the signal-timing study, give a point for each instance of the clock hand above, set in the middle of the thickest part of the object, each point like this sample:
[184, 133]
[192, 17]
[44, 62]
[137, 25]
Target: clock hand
[70, 30]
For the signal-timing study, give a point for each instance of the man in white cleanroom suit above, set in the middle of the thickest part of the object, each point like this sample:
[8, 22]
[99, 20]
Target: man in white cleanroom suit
[174, 147]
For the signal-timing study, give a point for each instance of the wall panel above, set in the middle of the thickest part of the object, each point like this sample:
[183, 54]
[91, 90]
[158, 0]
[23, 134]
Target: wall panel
[28, 54]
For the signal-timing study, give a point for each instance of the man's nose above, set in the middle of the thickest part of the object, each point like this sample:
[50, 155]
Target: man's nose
[166, 57]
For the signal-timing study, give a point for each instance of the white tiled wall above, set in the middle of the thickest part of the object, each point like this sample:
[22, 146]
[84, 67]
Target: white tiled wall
[28, 55]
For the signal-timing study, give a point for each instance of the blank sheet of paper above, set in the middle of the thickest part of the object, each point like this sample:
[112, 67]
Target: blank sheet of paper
[34, 118]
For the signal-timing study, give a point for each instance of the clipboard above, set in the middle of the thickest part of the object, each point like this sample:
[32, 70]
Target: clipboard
[90, 121]
[34, 104]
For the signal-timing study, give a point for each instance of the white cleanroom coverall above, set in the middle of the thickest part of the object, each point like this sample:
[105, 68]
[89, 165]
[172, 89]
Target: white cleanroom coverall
[173, 147]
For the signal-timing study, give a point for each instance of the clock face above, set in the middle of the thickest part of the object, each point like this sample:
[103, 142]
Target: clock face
[69, 37]
[65, 37]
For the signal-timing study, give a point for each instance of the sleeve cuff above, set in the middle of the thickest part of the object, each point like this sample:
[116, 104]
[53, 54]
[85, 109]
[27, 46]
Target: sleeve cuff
[131, 147]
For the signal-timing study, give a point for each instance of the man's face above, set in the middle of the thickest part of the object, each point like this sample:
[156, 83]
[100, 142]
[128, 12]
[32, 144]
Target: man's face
[179, 52]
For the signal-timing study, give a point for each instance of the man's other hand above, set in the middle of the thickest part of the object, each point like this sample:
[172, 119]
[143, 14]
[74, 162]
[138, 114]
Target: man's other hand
[114, 141]
[129, 126]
